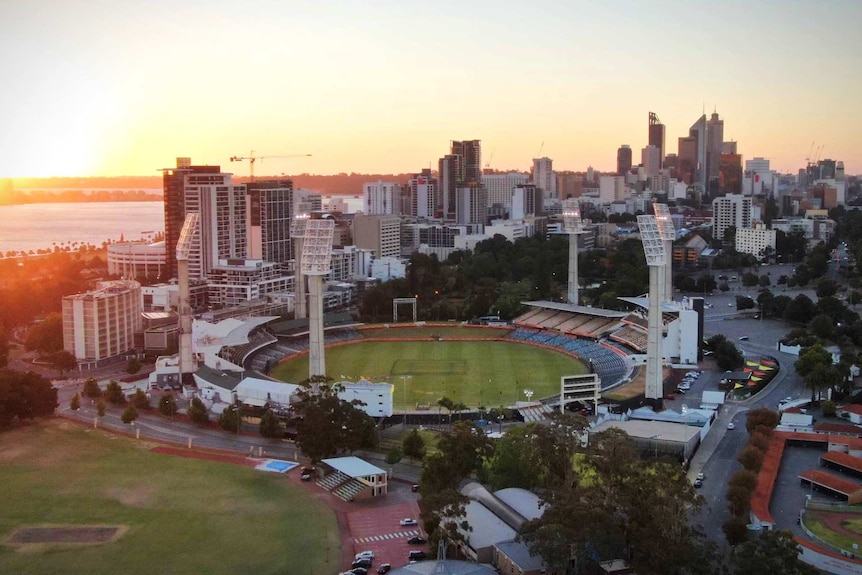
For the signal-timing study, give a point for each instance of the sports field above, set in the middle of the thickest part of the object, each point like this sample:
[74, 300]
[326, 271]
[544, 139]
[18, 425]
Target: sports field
[175, 515]
[476, 373]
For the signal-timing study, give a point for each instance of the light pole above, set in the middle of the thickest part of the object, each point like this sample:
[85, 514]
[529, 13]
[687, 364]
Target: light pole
[404, 379]
[529, 394]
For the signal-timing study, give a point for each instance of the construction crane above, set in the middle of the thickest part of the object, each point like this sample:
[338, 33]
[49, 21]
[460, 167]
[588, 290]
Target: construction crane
[252, 159]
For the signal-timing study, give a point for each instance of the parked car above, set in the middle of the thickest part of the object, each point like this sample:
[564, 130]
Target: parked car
[700, 476]
[364, 555]
[415, 488]
[679, 391]
[407, 521]
[416, 555]
[730, 426]
[364, 562]
[698, 483]
[417, 540]
[359, 571]
[384, 568]
[743, 338]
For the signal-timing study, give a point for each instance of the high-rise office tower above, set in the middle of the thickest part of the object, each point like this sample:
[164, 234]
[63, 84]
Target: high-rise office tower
[544, 177]
[714, 144]
[269, 204]
[686, 170]
[651, 160]
[624, 160]
[380, 198]
[656, 137]
[730, 174]
[698, 132]
[728, 147]
[222, 208]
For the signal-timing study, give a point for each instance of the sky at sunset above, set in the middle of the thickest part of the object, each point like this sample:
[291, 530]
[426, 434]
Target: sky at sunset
[102, 88]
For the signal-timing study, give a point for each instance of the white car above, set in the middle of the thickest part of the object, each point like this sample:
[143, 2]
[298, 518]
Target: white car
[730, 426]
[407, 521]
[701, 476]
[364, 555]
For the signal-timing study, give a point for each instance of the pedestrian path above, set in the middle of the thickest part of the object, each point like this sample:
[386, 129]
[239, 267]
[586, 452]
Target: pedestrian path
[400, 534]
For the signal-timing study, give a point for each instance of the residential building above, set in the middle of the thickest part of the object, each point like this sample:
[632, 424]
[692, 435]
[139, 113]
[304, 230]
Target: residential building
[612, 188]
[306, 201]
[379, 233]
[174, 181]
[544, 177]
[569, 185]
[100, 325]
[624, 160]
[472, 204]
[525, 201]
[686, 169]
[234, 281]
[462, 166]
[499, 187]
[424, 192]
[381, 198]
[757, 241]
[657, 137]
[731, 210]
[269, 204]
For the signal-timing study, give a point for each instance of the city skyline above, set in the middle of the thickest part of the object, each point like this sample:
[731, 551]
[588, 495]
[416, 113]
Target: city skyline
[100, 89]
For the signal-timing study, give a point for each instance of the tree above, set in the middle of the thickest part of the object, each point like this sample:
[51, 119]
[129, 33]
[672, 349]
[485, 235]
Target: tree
[270, 427]
[91, 388]
[800, 309]
[745, 479]
[114, 393]
[810, 357]
[129, 415]
[761, 417]
[46, 336]
[140, 400]
[828, 408]
[100, 407]
[601, 511]
[394, 455]
[822, 377]
[328, 424]
[231, 419]
[751, 458]
[735, 530]
[770, 552]
[75, 404]
[4, 349]
[822, 326]
[197, 412]
[413, 445]
[167, 405]
[133, 365]
[63, 361]
[826, 287]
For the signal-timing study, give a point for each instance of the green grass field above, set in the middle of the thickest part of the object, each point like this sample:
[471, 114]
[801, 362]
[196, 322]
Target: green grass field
[477, 373]
[183, 515]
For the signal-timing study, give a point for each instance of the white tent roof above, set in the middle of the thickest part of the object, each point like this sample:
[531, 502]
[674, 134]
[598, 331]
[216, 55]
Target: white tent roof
[353, 466]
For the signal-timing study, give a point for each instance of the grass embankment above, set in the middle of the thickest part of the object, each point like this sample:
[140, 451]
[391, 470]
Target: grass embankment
[476, 373]
[183, 515]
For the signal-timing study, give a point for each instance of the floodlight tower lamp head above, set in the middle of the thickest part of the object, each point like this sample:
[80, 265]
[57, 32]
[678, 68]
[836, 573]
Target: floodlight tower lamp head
[664, 222]
[652, 241]
[297, 226]
[184, 244]
[572, 223]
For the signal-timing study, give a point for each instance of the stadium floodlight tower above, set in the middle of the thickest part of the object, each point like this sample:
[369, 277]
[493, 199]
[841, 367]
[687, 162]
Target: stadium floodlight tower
[656, 258]
[316, 263]
[668, 235]
[297, 232]
[572, 225]
[184, 246]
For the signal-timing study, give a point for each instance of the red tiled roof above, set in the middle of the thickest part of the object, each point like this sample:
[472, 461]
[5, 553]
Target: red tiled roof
[845, 459]
[854, 443]
[830, 481]
[827, 427]
[766, 479]
[852, 408]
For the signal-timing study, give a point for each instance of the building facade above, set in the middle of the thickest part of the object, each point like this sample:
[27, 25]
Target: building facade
[379, 234]
[657, 136]
[544, 177]
[137, 259]
[269, 204]
[624, 160]
[100, 325]
[499, 187]
[757, 241]
[731, 210]
[380, 198]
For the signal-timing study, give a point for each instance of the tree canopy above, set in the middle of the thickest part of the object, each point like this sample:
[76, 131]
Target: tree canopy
[24, 396]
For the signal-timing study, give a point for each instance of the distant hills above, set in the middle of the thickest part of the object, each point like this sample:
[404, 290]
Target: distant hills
[148, 188]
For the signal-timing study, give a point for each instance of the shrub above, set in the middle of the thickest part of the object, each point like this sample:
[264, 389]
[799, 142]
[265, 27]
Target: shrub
[129, 415]
[828, 408]
[114, 393]
[269, 425]
[197, 412]
[168, 405]
[100, 407]
[394, 456]
[75, 404]
[140, 400]
[91, 388]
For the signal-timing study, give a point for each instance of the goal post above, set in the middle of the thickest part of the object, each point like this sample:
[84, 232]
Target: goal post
[403, 301]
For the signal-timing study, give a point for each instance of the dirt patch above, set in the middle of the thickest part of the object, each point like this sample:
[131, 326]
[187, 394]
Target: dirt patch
[207, 456]
[46, 535]
[132, 496]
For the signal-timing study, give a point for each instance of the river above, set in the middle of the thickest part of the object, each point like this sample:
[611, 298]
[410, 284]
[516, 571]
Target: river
[41, 226]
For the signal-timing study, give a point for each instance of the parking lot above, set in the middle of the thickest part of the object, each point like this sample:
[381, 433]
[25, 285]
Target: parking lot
[378, 529]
